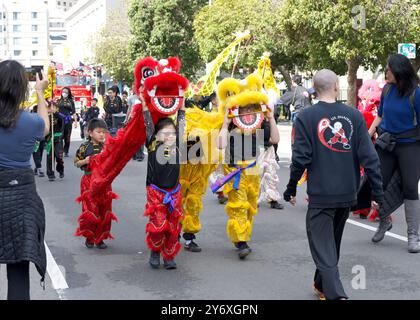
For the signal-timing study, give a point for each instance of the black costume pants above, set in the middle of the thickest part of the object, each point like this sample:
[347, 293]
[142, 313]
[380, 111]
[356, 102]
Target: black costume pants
[67, 136]
[58, 156]
[406, 157]
[325, 229]
[38, 155]
[286, 112]
[18, 281]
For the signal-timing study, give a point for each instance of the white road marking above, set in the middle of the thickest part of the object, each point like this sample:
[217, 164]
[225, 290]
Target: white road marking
[365, 226]
[58, 280]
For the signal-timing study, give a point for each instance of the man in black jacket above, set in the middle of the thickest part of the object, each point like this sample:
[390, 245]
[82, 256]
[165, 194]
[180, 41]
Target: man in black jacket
[331, 143]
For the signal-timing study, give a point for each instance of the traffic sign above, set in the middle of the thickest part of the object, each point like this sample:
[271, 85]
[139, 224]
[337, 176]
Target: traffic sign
[407, 49]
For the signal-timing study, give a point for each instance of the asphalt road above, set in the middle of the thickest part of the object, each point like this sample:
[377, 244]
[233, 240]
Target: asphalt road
[280, 266]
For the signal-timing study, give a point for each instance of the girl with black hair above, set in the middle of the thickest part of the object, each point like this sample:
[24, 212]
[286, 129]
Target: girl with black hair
[67, 110]
[164, 197]
[399, 144]
[22, 215]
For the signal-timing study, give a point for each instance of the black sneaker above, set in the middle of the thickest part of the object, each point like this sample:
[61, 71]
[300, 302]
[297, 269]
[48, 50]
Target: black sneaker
[244, 250]
[169, 264]
[384, 226]
[276, 205]
[154, 260]
[192, 246]
[61, 175]
[35, 172]
[88, 244]
[41, 173]
[66, 155]
[51, 178]
[101, 245]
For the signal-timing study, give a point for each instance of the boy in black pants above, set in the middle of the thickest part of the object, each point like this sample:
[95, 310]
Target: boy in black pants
[55, 137]
[331, 142]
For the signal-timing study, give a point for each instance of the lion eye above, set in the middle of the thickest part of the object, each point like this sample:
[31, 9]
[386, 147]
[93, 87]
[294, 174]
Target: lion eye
[147, 72]
[229, 94]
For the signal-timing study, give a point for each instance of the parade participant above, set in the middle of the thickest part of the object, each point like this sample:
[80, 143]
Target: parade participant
[39, 151]
[22, 215]
[333, 176]
[269, 177]
[164, 198]
[268, 160]
[398, 146]
[125, 106]
[203, 156]
[54, 143]
[92, 112]
[95, 221]
[68, 111]
[113, 105]
[246, 106]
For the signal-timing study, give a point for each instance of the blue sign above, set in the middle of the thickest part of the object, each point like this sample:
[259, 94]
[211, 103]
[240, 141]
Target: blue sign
[407, 49]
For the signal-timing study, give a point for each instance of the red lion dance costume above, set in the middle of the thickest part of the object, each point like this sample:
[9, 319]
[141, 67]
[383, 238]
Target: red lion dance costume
[370, 97]
[163, 92]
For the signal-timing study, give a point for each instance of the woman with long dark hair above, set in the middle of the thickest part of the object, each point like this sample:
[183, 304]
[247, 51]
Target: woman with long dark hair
[398, 146]
[67, 109]
[22, 216]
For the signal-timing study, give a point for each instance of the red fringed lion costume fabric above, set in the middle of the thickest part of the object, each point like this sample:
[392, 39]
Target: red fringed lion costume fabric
[163, 89]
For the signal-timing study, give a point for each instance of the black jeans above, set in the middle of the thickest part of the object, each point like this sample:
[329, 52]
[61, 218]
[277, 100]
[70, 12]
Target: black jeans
[325, 229]
[406, 157]
[38, 155]
[67, 136]
[58, 156]
[18, 281]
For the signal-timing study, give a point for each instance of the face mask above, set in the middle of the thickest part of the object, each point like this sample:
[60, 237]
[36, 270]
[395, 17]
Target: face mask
[65, 94]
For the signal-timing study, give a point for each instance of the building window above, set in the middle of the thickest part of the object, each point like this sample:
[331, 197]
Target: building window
[17, 53]
[34, 53]
[17, 28]
[17, 41]
[34, 27]
[16, 15]
[59, 3]
[34, 40]
[34, 15]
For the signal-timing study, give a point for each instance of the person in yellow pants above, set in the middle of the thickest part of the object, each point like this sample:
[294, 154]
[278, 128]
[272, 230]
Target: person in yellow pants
[194, 182]
[242, 204]
[246, 108]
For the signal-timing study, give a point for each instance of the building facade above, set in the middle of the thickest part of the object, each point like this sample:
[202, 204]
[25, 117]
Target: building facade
[24, 31]
[84, 22]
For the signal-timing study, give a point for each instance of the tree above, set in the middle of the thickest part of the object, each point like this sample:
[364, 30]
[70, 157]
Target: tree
[215, 25]
[163, 28]
[111, 45]
[349, 33]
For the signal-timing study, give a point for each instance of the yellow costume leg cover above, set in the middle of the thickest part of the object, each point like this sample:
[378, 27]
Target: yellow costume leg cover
[242, 204]
[194, 182]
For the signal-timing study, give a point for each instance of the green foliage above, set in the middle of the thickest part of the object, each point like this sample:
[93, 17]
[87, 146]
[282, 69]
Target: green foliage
[215, 25]
[163, 28]
[111, 48]
[331, 34]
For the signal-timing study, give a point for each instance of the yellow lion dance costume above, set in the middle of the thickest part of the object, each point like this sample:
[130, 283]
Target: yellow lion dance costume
[247, 106]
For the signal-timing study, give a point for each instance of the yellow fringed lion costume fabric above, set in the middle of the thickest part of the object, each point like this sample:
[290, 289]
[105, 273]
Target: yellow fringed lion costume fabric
[202, 126]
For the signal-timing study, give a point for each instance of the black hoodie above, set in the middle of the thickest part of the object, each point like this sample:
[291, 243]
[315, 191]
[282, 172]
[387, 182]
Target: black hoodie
[332, 142]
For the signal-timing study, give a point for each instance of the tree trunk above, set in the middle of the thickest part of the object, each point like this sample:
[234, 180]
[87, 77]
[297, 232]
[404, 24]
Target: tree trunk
[286, 76]
[352, 66]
